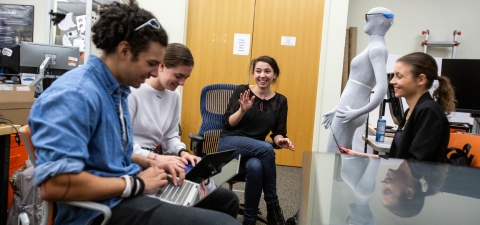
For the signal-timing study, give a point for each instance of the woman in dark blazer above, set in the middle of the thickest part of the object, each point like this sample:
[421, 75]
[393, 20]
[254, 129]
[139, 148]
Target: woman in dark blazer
[424, 132]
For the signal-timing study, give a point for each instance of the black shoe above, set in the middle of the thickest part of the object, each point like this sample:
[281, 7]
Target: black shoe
[275, 214]
[291, 221]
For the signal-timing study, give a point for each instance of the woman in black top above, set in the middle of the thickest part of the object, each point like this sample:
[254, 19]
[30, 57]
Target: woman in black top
[424, 132]
[247, 122]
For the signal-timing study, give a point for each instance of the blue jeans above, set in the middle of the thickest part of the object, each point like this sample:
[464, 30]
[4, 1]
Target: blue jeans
[258, 158]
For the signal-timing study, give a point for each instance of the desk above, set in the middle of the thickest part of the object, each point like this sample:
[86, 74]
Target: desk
[5, 131]
[340, 188]
[372, 129]
[379, 146]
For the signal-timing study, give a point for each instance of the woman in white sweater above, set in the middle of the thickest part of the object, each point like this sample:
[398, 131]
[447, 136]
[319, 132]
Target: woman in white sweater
[155, 110]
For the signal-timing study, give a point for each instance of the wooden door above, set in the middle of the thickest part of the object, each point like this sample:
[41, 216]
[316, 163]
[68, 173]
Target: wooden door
[299, 64]
[210, 30]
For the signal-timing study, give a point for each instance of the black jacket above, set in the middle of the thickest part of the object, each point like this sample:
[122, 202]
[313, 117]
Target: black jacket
[426, 135]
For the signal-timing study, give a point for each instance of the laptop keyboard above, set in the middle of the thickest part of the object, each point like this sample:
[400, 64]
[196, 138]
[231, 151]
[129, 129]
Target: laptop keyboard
[176, 194]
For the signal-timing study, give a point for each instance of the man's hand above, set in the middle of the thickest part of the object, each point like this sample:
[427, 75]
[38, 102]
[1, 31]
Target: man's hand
[154, 179]
[190, 158]
[172, 169]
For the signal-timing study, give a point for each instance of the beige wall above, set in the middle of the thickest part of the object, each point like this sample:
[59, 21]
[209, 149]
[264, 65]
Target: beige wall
[41, 24]
[172, 16]
[441, 17]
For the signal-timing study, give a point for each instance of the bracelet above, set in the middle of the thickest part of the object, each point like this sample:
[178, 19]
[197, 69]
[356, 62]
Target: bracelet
[128, 188]
[140, 187]
[134, 187]
[180, 152]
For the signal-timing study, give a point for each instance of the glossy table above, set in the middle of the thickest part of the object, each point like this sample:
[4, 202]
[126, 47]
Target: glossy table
[343, 189]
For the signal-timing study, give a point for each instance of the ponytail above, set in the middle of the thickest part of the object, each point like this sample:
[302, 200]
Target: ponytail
[445, 95]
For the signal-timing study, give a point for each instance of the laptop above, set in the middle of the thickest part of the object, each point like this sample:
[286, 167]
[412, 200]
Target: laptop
[188, 194]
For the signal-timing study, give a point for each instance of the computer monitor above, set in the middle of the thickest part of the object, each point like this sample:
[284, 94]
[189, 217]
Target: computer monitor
[9, 58]
[63, 58]
[464, 74]
[395, 104]
[34, 60]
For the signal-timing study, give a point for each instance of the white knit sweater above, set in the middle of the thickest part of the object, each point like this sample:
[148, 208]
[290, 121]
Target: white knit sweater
[155, 118]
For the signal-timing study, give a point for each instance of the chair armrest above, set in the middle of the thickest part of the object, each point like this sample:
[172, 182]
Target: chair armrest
[107, 213]
[195, 137]
[196, 144]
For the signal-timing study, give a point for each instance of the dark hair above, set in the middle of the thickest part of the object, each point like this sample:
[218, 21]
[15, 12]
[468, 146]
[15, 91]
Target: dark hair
[422, 63]
[177, 55]
[271, 61]
[117, 23]
[412, 207]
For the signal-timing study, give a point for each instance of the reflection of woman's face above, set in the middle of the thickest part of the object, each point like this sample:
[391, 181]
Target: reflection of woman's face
[396, 186]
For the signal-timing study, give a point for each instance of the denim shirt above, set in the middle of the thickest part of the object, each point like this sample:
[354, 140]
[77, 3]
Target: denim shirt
[76, 127]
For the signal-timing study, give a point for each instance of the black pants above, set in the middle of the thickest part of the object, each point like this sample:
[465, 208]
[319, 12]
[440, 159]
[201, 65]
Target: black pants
[219, 207]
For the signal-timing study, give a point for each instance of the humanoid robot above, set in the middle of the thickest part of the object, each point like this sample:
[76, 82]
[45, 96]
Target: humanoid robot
[367, 83]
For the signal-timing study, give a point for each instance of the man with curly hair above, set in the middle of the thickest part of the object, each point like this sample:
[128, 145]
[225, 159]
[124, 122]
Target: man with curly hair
[81, 129]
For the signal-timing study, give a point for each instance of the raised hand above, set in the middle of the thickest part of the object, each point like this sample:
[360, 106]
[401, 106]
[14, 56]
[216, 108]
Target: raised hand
[245, 101]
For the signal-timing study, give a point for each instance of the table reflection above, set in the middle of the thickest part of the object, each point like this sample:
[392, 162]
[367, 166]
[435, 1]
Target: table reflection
[380, 191]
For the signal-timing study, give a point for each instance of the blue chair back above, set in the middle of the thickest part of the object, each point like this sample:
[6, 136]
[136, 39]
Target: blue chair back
[213, 103]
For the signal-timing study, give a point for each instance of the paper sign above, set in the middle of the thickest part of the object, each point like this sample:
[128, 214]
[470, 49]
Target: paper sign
[72, 34]
[80, 44]
[7, 52]
[23, 88]
[66, 41]
[28, 78]
[6, 87]
[241, 44]
[81, 22]
[72, 61]
[288, 41]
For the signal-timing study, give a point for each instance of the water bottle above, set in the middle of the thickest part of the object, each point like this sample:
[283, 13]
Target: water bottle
[381, 126]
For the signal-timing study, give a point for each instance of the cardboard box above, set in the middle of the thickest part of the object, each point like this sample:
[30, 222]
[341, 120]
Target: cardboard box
[16, 101]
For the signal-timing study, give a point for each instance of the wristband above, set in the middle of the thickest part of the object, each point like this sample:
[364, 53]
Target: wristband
[128, 188]
[182, 150]
[134, 187]
[141, 185]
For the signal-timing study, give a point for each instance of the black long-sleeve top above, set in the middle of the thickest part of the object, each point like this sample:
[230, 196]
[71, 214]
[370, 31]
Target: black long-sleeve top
[426, 135]
[258, 121]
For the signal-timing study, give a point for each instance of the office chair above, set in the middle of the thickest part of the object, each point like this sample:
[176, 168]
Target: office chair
[459, 140]
[48, 206]
[214, 100]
